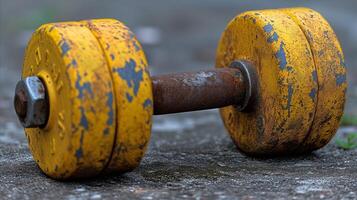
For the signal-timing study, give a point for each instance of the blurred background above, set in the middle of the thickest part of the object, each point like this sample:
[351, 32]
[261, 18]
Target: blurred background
[176, 35]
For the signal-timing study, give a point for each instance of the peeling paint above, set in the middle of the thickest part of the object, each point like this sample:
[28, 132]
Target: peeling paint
[106, 131]
[136, 46]
[133, 78]
[81, 88]
[84, 121]
[112, 56]
[64, 47]
[147, 103]
[273, 38]
[280, 55]
[268, 28]
[314, 76]
[342, 60]
[134, 42]
[340, 79]
[79, 153]
[129, 97]
[110, 106]
[312, 93]
[290, 95]
[74, 62]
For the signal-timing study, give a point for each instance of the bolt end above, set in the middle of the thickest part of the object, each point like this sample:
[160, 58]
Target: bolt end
[30, 102]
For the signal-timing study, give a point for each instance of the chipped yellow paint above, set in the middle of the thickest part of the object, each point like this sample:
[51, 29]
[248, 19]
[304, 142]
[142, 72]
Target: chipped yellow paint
[284, 110]
[133, 91]
[330, 75]
[78, 138]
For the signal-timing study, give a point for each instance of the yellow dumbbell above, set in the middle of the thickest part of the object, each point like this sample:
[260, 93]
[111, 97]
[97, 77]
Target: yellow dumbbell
[86, 98]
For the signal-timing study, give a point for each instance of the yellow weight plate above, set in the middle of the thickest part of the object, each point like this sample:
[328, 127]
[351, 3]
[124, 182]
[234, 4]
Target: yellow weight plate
[283, 61]
[133, 91]
[78, 138]
[330, 74]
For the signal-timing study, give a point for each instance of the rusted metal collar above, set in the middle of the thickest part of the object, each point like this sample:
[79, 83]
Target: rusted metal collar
[190, 91]
[251, 88]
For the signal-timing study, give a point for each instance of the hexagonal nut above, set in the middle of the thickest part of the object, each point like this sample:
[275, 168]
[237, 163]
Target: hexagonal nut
[31, 94]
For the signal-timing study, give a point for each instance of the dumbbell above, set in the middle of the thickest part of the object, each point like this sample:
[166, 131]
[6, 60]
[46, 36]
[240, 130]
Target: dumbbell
[86, 98]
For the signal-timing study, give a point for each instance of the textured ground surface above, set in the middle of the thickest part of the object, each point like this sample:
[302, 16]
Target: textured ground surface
[190, 155]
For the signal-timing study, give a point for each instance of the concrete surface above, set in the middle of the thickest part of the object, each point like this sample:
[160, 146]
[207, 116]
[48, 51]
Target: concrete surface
[190, 154]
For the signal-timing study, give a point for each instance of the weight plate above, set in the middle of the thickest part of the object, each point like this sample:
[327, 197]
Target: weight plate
[78, 138]
[285, 104]
[133, 92]
[330, 74]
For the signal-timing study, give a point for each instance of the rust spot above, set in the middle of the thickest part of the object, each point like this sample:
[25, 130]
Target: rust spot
[190, 91]
[20, 102]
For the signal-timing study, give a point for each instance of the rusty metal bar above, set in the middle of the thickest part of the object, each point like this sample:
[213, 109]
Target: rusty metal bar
[189, 91]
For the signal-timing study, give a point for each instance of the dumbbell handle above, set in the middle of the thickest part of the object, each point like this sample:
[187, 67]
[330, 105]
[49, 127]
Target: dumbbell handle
[173, 93]
[190, 91]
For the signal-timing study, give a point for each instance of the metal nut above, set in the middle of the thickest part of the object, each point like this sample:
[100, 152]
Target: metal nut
[30, 102]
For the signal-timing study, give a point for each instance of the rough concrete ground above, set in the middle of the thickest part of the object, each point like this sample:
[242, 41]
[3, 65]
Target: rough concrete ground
[190, 154]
